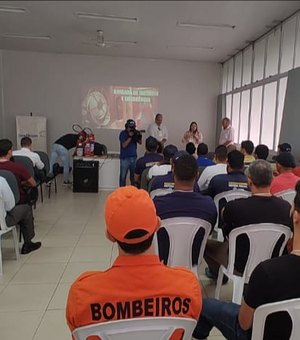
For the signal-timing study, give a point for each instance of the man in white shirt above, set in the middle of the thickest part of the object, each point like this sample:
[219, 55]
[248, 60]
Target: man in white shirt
[210, 171]
[26, 150]
[18, 214]
[227, 133]
[158, 131]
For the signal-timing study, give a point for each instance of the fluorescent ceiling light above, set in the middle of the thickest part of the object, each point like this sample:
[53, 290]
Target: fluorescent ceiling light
[98, 16]
[195, 25]
[25, 36]
[9, 9]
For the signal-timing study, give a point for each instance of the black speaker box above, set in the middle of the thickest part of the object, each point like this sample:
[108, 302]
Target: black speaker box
[85, 176]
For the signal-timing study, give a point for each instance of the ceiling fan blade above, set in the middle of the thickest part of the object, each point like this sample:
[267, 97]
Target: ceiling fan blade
[111, 42]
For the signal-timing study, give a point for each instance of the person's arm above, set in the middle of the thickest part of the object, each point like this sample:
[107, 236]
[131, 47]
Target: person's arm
[127, 141]
[230, 137]
[202, 181]
[165, 135]
[140, 140]
[246, 315]
[199, 137]
[30, 182]
[7, 195]
[39, 164]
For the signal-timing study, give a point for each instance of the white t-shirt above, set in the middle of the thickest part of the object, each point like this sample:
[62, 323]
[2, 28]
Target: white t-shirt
[227, 134]
[6, 195]
[209, 172]
[35, 158]
[158, 170]
[158, 132]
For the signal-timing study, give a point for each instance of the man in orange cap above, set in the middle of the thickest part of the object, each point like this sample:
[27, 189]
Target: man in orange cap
[138, 284]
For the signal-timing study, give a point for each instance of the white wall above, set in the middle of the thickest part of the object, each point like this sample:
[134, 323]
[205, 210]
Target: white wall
[52, 85]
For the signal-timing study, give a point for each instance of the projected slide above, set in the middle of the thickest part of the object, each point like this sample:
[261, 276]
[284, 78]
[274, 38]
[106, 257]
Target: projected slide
[110, 106]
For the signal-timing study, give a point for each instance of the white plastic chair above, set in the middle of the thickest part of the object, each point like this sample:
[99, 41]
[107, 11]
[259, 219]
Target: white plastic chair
[263, 238]
[287, 195]
[4, 229]
[136, 329]
[229, 195]
[182, 231]
[160, 192]
[290, 306]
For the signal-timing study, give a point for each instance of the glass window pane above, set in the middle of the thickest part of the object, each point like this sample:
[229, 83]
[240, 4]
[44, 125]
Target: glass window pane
[236, 112]
[224, 77]
[247, 65]
[255, 115]
[297, 59]
[244, 116]
[268, 118]
[238, 71]
[273, 53]
[288, 41]
[281, 97]
[259, 57]
[230, 75]
[228, 105]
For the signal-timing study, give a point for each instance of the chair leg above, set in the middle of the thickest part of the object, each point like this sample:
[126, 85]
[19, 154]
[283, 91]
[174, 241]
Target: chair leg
[55, 185]
[16, 243]
[238, 288]
[219, 283]
[1, 270]
[41, 189]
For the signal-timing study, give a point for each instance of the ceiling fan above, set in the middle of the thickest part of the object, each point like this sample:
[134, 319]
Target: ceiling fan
[101, 42]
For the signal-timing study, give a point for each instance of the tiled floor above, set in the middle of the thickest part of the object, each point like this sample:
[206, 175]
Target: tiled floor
[33, 290]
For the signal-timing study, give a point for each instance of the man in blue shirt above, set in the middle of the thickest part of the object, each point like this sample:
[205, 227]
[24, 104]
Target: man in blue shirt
[202, 160]
[128, 144]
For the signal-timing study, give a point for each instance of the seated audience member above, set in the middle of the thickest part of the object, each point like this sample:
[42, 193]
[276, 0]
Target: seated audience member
[18, 214]
[165, 165]
[285, 163]
[234, 179]
[260, 207]
[296, 171]
[247, 148]
[150, 158]
[203, 160]
[235, 321]
[26, 150]
[137, 284]
[261, 152]
[284, 147]
[219, 168]
[190, 148]
[24, 179]
[184, 202]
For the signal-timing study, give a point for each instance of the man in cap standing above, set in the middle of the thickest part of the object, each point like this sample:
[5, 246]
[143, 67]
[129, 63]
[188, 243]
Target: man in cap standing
[137, 284]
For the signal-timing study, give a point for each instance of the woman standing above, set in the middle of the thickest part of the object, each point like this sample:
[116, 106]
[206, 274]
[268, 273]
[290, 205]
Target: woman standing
[192, 135]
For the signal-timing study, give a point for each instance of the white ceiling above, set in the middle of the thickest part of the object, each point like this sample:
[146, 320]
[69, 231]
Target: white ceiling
[156, 33]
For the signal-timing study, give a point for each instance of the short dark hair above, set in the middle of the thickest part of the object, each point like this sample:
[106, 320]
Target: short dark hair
[151, 144]
[297, 197]
[136, 248]
[260, 172]
[248, 146]
[221, 152]
[169, 151]
[5, 146]
[236, 160]
[261, 151]
[158, 114]
[26, 141]
[190, 148]
[202, 149]
[186, 168]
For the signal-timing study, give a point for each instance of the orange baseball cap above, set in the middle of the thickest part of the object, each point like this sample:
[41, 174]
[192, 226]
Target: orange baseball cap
[128, 209]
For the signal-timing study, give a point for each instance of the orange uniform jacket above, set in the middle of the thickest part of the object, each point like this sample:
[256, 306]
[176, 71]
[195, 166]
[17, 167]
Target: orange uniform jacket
[135, 286]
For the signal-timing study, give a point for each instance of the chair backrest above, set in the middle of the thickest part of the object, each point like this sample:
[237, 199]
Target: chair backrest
[137, 329]
[160, 192]
[292, 307]
[12, 182]
[263, 238]
[3, 225]
[287, 195]
[45, 159]
[182, 231]
[26, 161]
[144, 179]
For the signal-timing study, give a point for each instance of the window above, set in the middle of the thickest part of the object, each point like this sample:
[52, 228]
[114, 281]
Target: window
[238, 70]
[287, 49]
[228, 105]
[281, 97]
[230, 75]
[273, 53]
[255, 114]
[297, 55]
[247, 65]
[259, 59]
[244, 116]
[236, 113]
[224, 77]
[268, 118]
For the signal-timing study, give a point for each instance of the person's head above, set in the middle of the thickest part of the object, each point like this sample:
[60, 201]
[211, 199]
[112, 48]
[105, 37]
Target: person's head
[261, 152]
[193, 127]
[130, 125]
[158, 119]
[202, 149]
[235, 161]
[131, 219]
[284, 147]
[247, 147]
[225, 122]
[26, 142]
[5, 148]
[190, 148]
[185, 170]
[168, 152]
[285, 162]
[221, 154]
[260, 175]
[151, 144]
